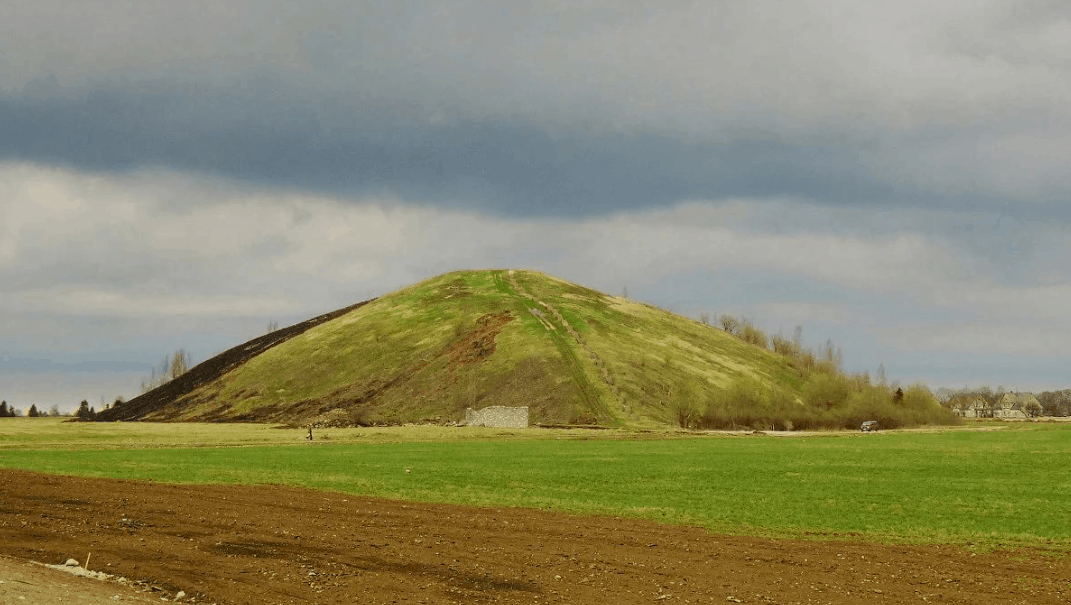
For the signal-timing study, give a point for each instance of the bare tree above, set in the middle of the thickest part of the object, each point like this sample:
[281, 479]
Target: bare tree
[1032, 409]
[1055, 403]
[944, 396]
[171, 367]
[180, 363]
[729, 323]
[833, 355]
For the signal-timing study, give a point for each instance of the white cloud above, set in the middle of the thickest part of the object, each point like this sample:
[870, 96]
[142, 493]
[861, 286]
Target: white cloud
[115, 243]
[694, 235]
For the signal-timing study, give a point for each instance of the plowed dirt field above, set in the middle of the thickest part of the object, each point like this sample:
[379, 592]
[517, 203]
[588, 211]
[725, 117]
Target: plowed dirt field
[281, 545]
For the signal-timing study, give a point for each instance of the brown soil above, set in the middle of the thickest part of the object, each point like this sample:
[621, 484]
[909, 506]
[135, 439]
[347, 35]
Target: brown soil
[29, 583]
[282, 545]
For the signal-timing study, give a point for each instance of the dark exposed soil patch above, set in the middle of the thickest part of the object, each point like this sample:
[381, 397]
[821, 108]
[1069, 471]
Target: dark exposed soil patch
[477, 345]
[212, 369]
[282, 545]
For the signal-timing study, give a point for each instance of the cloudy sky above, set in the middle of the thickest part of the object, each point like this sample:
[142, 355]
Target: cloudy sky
[891, 175]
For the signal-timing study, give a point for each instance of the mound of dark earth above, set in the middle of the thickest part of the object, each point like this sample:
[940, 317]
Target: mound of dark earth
[222, 544]
[212, 369]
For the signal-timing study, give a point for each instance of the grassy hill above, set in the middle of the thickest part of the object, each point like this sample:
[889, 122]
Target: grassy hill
[473, 339]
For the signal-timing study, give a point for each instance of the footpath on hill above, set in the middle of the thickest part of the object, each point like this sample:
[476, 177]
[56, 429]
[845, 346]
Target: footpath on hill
[270, 544]
[568, 355]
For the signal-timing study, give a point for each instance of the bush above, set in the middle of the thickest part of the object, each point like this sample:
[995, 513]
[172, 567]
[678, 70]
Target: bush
[829, 401]
[753, 335]
[749, 403]
[823, 392]
[783, 346]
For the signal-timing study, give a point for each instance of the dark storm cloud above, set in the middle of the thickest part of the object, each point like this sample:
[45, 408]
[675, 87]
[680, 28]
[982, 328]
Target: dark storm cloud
[509, 167]
[561, 108]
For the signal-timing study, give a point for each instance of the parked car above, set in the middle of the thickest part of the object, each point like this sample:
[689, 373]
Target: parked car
[869, 426]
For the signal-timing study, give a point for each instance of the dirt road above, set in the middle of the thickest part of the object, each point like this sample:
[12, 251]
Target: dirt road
[280, 545]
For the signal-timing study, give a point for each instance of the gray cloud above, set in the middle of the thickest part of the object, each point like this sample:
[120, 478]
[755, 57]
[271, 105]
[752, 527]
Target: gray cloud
[507, 167]
[899, 287]
[564, 108]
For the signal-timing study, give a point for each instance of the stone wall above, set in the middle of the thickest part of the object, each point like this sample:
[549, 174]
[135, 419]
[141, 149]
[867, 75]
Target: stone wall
[498, 416]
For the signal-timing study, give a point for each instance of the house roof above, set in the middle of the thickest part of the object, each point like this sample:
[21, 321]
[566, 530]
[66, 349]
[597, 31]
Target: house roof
[1016, 401]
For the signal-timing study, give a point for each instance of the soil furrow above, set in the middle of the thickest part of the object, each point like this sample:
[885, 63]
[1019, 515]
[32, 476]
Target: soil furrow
[271, 544]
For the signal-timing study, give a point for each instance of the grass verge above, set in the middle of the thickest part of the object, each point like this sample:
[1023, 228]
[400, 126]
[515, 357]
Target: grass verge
[989, 488]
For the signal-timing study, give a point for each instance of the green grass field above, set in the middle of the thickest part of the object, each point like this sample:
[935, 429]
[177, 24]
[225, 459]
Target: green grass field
[992, 488]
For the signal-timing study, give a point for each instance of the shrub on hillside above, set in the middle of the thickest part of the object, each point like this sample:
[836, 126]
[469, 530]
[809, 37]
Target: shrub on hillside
[823, 391]
[685, 405]
[783, 346]
[753, 335]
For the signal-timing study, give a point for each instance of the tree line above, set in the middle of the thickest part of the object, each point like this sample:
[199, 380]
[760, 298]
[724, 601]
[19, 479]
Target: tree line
[828, 397]
[10, 411]
[829, 359]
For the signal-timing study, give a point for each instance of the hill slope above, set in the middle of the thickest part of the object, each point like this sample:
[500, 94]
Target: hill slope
[212, 369]
[473, 339]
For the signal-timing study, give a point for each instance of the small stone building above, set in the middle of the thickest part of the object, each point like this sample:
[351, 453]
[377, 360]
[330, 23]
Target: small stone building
[498, 416]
